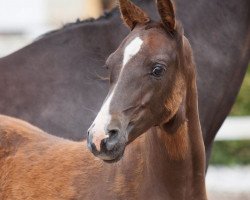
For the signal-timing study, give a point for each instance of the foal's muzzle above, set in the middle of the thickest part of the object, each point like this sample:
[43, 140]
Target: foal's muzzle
[107, 145]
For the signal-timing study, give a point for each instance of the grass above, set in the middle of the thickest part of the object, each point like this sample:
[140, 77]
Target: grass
[235, 152]
[231, 153]
[242, 104]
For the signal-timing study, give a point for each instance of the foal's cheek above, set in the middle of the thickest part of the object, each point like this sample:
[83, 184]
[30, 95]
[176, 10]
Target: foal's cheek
[147, 97]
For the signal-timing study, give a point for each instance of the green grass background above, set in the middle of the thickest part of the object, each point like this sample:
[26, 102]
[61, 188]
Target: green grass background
[235, 152]
[242, 104]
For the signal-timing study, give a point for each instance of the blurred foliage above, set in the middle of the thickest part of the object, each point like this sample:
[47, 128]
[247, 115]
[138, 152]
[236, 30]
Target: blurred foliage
[235, 152]
[242, 105]
[231, 153]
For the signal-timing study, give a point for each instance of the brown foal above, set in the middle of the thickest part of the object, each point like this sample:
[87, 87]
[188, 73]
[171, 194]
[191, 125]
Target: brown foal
[146, 141]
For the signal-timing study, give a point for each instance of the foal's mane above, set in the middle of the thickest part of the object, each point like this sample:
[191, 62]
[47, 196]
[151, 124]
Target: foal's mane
[106, 15]
[78, 23]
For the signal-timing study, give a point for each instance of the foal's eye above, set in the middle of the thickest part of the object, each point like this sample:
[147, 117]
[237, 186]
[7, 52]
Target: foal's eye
[158, 70]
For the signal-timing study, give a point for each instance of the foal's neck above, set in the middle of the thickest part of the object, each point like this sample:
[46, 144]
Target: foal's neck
[175, 166]
[175, 154]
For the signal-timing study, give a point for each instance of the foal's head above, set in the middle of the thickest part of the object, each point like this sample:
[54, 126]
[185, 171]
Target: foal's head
[147, 81]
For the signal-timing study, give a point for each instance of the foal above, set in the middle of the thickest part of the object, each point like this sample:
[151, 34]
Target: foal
[151, 110]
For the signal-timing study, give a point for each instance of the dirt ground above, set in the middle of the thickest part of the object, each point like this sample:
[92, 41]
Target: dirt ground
[228, 183]
[228, 196]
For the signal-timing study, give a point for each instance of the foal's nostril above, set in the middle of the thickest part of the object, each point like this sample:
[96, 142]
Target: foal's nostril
[110, 142]
[113, 133]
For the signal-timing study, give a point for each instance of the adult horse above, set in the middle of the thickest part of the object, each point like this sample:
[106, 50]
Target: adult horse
[166, 159]
[54, 82]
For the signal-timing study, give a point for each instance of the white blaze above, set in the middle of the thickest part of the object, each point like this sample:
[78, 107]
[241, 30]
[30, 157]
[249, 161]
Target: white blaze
[103, 118]
[131, 50]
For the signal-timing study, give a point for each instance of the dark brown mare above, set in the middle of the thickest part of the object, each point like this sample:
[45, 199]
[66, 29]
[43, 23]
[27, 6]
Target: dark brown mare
[151, 107]
[53, 83]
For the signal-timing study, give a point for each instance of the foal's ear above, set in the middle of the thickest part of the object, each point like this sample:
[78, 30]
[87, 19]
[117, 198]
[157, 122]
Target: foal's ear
[132, 14]
[166, 11]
